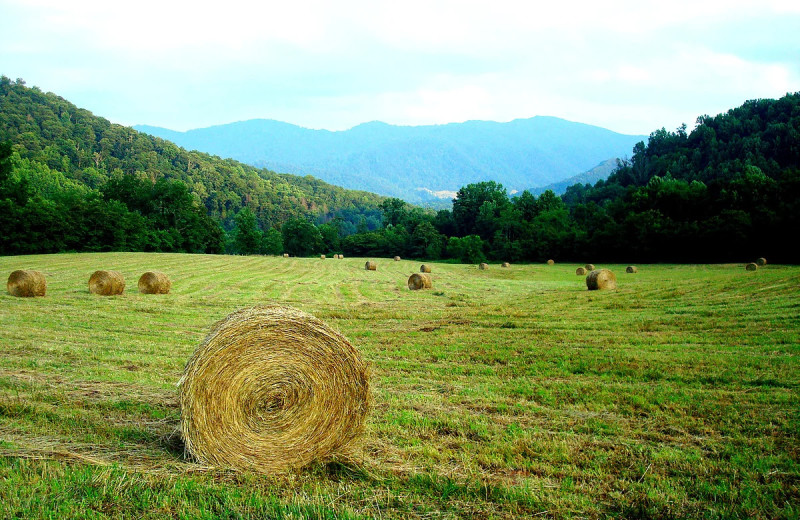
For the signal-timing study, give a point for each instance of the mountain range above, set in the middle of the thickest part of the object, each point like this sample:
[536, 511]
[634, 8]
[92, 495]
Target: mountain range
[420, 164]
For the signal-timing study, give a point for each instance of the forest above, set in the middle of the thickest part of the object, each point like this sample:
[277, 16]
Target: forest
[728, 190]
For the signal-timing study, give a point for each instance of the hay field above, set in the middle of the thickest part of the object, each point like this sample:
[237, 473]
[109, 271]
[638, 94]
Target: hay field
[504, 393]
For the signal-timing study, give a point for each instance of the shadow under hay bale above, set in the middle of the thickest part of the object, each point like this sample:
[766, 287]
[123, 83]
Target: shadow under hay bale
[589, 267]
[370, 265]
[581, 271]
[601, 279]
[154, 282]
[424, 268]
[483, 266]
[761, 262]
[419, 281]
[26, 283]
[270, 389]
[106, 283]
[631, 269]
[751, 266]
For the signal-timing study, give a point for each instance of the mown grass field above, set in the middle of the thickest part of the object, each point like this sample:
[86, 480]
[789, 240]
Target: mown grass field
[507, 393]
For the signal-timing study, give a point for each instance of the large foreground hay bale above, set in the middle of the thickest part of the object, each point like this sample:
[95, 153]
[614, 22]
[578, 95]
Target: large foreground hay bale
[551, 262]
[581, 271]
[420, 281]
[631, 269]
[589, 267]
[751, 266]
[600, 279]
[483, 266]
[154, 282]
[26, 283]
[761, 262]
[424, 268]
[106, 283]
[397, 259]
[505, 264]
[272, 388]
[370, 265]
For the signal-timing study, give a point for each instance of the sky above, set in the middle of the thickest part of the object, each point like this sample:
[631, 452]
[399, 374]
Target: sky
[632, 67]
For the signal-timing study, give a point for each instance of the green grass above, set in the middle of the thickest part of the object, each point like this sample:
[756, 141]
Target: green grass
[505, 393]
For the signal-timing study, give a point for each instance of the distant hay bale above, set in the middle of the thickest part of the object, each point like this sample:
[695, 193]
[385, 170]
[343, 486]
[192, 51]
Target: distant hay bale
[424, 268]
[106, 283]
[341, 256]
[600, 279]
[26, 283]
[505, 264]
[370, 265]
[551, 262]
[286, 255]
[589, 267]
[419, 281]
[154, 282]
[752, 266]
[397, 259]
[581, 271]
[631, 269]
[483, 266]
[271, 389]
[322, 257]
[761, 262]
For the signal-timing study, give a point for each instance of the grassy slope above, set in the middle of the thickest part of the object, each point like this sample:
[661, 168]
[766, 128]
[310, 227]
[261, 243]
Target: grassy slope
[499, 393]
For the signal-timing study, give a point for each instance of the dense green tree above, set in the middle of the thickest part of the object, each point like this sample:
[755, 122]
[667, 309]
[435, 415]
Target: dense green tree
[247, 238]
[301, 238]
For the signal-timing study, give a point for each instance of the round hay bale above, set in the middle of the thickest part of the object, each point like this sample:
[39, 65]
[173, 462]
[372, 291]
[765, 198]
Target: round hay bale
[419, 281]
[581, 271]
[397, 259]
[341, 256]
[600, 279]
[589, 267]
[752, 266]
[26, 283]
[322, 257]
[154, 282]
[106, 283]
[761, 262]
[286, 255]
[631, 269]
[424, 268]
[272, 388]
[370, 265]
[483, 266]
[551, 262]
[505, 264]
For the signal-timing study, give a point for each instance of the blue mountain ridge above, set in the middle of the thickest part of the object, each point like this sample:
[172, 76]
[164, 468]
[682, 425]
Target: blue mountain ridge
[414, 162]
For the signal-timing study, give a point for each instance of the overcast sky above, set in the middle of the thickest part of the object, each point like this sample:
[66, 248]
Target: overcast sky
[632, 67]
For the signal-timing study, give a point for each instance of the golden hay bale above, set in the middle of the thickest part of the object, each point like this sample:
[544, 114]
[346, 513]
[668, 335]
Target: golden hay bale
[505, 264]
[581, 271]
[424, 268]
[106, 283]
[631, 269]
[154, 282]
[322, 257]
[341, 256]
[286, 255]
[761, 262]
[751, 266]
[397, 259]
[601, 279]
[589, 267]
[419, 281]
[483, 266]
[26, 283]
[551, 262]
[272, 388]
[370, 265]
